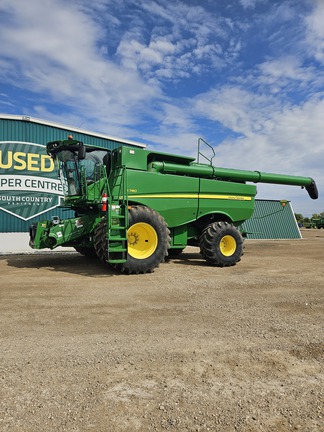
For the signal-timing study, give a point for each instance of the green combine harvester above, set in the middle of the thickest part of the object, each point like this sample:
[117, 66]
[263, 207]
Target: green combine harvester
[318, 223]
[133, 207]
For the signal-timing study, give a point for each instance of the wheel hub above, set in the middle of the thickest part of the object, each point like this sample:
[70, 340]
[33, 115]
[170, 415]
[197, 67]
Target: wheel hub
[227, 245]
[132, 239]
[142, 240]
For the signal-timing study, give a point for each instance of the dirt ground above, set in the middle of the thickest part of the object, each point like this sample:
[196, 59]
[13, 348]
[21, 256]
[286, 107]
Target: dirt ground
[186, 348]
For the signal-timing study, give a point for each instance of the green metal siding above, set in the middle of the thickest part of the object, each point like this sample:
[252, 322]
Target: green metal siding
[25, 129]
[270, 220]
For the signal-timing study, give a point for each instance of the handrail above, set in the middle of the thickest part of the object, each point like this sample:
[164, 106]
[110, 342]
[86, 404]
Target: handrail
[201, 154]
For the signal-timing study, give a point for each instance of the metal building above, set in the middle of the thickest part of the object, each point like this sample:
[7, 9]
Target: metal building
[272, 219]
[29, 187]
[31, 191]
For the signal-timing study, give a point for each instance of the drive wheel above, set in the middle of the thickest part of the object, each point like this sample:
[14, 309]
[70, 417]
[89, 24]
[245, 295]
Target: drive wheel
[221, 244]
[148, 240]
[100, 241]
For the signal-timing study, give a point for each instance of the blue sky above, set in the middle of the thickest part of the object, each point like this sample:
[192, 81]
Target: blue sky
[245, 75]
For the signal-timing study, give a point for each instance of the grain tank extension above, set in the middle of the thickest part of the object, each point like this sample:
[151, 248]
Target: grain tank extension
[133, 207]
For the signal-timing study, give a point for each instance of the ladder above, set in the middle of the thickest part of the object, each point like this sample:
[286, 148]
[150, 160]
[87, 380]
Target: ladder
[117, 220]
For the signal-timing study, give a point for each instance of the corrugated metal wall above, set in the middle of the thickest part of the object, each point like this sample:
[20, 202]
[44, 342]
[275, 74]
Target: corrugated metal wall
[271, 220]
[9, 223]
[24, 130]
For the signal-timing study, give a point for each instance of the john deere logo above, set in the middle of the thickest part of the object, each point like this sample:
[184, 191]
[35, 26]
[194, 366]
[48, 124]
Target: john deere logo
[28, 180]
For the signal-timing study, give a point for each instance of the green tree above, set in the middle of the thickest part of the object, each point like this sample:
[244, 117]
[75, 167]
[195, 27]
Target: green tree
[299, 217]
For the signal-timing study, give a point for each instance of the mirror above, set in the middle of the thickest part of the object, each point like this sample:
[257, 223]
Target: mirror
[81, 152]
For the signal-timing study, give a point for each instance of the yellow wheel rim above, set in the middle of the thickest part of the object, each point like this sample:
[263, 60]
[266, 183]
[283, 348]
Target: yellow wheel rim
[142, 240]
[227, 245]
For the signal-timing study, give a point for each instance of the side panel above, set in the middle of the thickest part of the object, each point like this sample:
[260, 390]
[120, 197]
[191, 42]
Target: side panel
[183, 199]
[235, 200]
[174, 197]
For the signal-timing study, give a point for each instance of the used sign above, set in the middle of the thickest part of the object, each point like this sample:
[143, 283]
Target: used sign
[28, 180]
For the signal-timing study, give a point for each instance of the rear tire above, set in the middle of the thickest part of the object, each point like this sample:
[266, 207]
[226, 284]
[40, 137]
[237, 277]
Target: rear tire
[148, 241]
[221, 244]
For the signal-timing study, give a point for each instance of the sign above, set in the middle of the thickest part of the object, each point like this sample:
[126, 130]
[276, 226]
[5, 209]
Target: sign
[29, 185]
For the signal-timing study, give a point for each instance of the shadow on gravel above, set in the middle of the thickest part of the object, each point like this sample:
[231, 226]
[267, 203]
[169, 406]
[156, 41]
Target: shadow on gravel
[72, 263]
[189, 259]
[75, 263]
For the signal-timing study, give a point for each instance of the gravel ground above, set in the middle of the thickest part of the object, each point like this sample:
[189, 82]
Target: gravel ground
[186, 348]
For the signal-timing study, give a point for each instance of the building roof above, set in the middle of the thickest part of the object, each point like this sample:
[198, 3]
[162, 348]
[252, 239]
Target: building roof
[70, 128]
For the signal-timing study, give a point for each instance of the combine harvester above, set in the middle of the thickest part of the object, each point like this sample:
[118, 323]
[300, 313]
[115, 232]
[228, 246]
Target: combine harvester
[133, 207]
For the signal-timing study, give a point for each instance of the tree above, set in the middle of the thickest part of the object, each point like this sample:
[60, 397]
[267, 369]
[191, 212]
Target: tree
[299, 217]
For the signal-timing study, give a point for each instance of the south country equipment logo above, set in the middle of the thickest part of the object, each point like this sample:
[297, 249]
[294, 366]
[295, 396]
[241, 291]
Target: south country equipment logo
[28, 180]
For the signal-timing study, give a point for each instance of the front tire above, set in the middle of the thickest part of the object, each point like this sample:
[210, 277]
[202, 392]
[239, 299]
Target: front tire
[100, 240]
[221, 244]
[148, 240]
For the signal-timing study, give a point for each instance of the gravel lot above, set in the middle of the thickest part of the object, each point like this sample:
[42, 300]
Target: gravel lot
[186, 348]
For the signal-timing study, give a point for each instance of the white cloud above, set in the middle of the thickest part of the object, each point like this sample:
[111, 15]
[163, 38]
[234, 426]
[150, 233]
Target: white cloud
[106, 66]
[266, 124]
[138, 56]
[237, 109]
[185, 40]
[58, 55]
[46, 28]
[286, 68]
[315, 35]
[274, 137]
